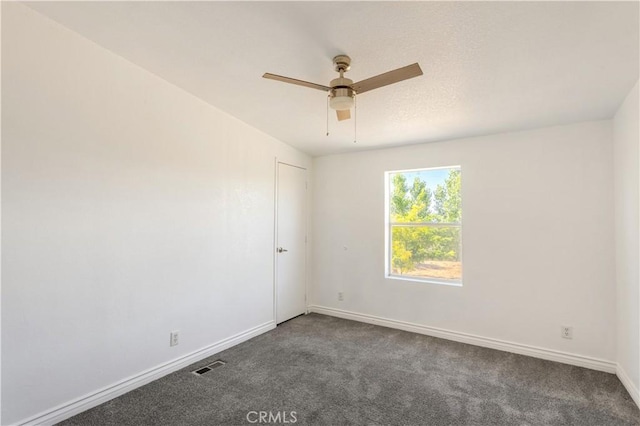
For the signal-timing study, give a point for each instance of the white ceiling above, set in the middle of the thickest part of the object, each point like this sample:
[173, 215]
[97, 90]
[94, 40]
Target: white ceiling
[488, 66]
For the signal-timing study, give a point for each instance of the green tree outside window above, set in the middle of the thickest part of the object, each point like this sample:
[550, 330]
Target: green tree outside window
[425, 226]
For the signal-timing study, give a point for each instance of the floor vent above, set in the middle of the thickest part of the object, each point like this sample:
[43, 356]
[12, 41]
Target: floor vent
[207, 368]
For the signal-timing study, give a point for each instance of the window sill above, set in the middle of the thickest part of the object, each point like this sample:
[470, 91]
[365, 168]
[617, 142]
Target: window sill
[451, 283]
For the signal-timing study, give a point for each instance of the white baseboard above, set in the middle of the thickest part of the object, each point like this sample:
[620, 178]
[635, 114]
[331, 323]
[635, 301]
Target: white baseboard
[71, 408]
[487, 342]
[628, 384]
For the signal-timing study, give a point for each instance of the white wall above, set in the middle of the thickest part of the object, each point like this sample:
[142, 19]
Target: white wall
[130, 209]
[537, 238]
[626, 138]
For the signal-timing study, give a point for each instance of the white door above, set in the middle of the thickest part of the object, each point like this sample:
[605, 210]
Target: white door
[291, 242]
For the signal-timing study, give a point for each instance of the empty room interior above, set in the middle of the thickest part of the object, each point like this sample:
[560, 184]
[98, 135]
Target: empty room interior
[323, 213]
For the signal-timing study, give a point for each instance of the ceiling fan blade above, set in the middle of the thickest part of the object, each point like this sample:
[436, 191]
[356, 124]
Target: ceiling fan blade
[295, 81]
[343, 114]
[387, 78]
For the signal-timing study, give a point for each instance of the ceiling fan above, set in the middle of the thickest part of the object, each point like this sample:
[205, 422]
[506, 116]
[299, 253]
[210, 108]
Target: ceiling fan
[342, 91]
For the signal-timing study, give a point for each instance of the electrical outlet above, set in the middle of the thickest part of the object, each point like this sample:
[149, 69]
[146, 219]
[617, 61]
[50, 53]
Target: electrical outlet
[566, 332]
[173, 338]
[340, 296]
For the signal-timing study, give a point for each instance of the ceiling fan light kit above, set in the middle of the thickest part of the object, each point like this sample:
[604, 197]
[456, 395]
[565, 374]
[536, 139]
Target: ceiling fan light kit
[342, 98]
[342, 91]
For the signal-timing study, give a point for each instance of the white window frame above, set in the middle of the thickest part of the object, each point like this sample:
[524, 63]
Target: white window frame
[388, 226]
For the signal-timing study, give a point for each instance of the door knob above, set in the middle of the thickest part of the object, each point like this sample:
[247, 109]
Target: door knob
[280, 250]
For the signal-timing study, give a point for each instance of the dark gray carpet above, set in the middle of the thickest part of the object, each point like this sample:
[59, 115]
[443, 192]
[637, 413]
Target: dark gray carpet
[331, 371]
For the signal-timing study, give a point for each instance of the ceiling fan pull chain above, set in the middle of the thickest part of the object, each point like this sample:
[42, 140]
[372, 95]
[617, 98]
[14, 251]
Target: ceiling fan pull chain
[328, 114]
[355, 119]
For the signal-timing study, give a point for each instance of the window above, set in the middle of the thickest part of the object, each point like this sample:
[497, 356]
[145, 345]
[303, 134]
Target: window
[424, 213]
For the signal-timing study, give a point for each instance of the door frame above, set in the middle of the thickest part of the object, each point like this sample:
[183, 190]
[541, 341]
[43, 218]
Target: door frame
[275, 238]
